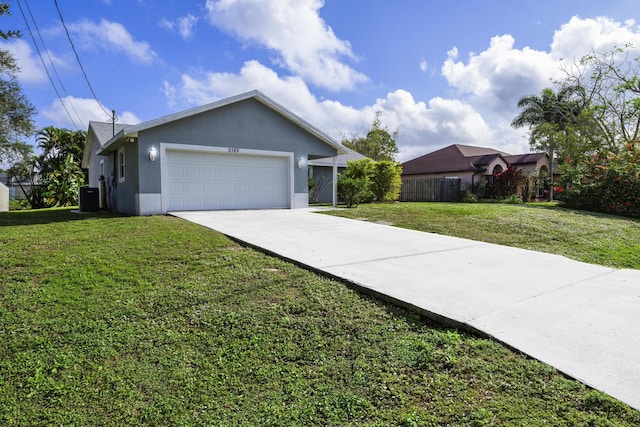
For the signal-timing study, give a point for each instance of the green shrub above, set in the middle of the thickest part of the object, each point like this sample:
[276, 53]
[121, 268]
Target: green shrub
[353, 191]
[468, 197]
[385, 180]
[365, 180]
[19, 205]
[615, 193]
[513, 199]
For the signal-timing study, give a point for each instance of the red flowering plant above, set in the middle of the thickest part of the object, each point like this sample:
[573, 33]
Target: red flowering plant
[613, 185]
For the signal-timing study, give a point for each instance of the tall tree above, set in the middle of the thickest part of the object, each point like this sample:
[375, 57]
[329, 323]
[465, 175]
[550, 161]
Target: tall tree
[611, 83]
[549, 117]
[379, 144]
[15, 110]
[60, 164]
[57, 144]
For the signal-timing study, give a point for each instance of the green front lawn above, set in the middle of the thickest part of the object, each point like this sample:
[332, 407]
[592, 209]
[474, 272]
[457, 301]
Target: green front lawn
[584, 236]
[113, 320]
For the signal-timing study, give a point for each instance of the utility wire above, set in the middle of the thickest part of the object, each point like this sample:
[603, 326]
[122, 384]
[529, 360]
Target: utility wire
[45, 66]
[78, 59]
[55, 70]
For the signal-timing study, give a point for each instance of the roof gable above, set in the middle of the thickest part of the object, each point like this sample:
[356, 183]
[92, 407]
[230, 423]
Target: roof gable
[99, 134]
[132, 131]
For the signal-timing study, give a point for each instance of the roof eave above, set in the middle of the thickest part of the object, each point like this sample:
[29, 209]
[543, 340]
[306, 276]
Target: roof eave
[132, 131]
[117, 140]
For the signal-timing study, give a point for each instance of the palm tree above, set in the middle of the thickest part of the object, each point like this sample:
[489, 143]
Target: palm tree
[549, 117]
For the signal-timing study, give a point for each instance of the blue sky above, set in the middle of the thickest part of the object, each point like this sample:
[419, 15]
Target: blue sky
[441, 72]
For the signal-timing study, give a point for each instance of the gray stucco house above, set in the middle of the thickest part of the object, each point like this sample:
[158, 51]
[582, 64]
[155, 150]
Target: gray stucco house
[243, 152]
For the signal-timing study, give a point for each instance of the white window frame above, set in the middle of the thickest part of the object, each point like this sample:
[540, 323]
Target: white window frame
[121, 165]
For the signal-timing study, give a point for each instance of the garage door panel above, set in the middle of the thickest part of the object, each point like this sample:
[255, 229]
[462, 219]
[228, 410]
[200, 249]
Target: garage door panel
[200, 181]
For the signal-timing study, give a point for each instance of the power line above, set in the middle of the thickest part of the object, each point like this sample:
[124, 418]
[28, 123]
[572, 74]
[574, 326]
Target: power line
[55, 70]
[78, 59]
[45, 66]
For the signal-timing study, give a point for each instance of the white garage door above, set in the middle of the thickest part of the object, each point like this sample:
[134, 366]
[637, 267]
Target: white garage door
[206, 181]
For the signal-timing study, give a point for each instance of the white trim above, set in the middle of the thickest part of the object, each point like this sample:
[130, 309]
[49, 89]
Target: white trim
[132, 131]
[121, 162]
[334, 184]
[167, 146]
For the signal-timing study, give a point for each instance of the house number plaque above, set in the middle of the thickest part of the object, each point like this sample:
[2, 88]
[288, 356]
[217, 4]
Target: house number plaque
[234, 150]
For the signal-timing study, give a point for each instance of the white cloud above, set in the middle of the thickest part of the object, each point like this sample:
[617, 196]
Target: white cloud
[184, 25]
[422, 127]
[424, 65]
[82, 110]
[305, 44]
[500, 75]
[31, 70]
[493, 80]
[580, 36]
[112, 37]
[485, 88]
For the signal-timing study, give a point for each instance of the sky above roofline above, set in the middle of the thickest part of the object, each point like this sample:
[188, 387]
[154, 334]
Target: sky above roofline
[441, 72]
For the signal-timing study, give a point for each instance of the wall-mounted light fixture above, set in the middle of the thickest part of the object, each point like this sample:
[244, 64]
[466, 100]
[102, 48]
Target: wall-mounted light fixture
[153, 153]
[301, 162]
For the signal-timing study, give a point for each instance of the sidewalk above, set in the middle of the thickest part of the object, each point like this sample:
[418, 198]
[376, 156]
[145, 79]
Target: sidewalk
[582, 319]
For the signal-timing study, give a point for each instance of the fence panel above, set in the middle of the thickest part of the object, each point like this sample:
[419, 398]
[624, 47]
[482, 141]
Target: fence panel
[430, 190]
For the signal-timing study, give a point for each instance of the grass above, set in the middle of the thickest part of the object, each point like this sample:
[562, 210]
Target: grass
[113, 320]
[589, 237]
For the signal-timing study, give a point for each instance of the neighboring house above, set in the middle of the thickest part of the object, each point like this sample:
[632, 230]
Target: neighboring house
[321, 170]
[4, 198]
[243, 152]
[472, 165]
[16, 192]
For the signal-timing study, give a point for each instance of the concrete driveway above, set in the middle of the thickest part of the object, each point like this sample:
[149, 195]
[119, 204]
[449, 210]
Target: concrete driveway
[582, 319]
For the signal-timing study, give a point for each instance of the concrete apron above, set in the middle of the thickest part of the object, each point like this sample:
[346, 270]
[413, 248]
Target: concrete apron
[582, 319]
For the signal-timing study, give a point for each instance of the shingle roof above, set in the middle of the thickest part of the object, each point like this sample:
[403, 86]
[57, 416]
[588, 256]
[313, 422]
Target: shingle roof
[104, 131]
[520, 159]
[99, 133]
[462, 158]
[454, 158]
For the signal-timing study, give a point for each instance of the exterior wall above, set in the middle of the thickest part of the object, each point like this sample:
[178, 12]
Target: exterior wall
[324, 174]
[126, 192]
[530, 168]
[247, 124]
[497, 162]
[4, 198]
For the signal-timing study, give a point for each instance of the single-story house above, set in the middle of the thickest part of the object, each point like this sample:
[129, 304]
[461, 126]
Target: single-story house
[243, 152]
[472, 165]
[321, 170]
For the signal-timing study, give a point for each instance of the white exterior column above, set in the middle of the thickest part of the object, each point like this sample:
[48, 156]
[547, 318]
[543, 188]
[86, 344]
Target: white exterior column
[335, 181]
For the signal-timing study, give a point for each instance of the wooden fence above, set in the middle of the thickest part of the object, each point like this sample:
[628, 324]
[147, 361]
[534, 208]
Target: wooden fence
[430, 190]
